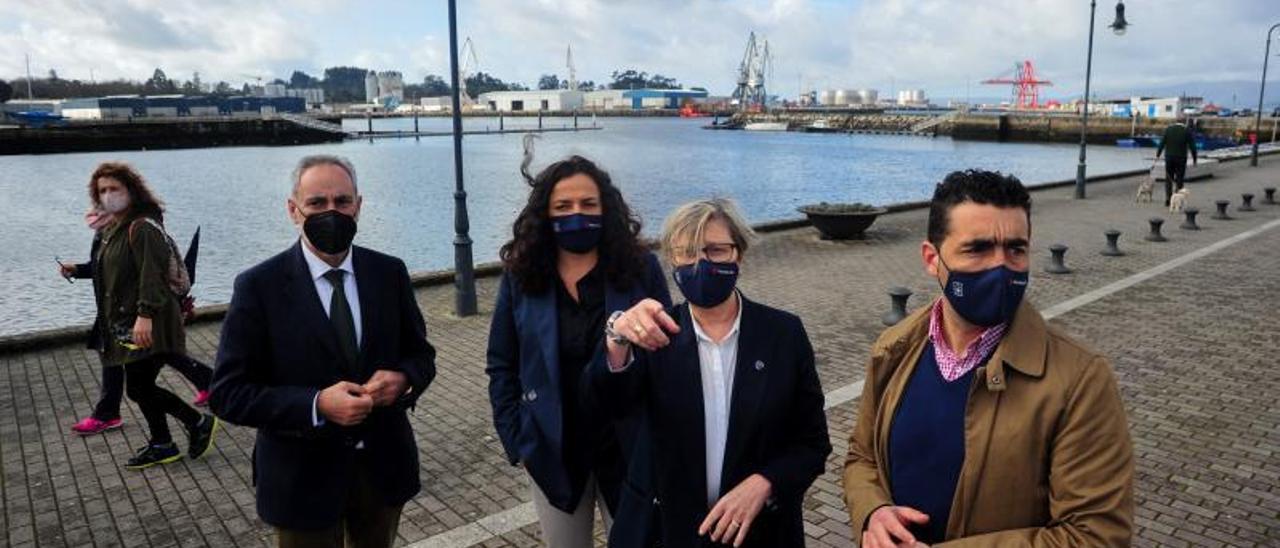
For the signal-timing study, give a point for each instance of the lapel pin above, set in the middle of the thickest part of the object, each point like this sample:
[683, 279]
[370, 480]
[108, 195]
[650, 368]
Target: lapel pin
[759, 365]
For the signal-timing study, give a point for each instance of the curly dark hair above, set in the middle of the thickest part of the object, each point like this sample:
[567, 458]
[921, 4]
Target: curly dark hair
[973, 185]
[143, 201]
[530, 255]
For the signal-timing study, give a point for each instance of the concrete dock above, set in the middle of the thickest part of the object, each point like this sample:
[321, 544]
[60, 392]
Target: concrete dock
[1191, 326]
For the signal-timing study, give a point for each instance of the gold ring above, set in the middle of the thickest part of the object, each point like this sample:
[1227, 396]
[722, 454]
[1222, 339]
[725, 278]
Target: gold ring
[734, 524]
[635, 327]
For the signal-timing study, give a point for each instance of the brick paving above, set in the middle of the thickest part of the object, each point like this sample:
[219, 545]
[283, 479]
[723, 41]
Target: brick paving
[1194, 349]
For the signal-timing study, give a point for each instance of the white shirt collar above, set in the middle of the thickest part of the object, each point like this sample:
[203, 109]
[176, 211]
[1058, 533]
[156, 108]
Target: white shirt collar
[319, 268]
[737, 321]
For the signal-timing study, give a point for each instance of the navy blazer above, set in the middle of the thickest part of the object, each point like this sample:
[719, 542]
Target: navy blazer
[524, 381]
[279, 349]
[777, 425]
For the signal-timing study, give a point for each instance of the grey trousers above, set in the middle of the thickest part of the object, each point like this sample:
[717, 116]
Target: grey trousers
[564, 530]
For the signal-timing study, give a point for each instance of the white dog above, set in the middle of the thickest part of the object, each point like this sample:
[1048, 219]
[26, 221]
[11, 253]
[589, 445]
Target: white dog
[1179, 200]
[1144, 190]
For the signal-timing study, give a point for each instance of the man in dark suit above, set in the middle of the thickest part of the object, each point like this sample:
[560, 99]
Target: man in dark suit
[323, 350]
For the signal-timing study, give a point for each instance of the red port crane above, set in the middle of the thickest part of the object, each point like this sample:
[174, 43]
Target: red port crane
[1026, 87]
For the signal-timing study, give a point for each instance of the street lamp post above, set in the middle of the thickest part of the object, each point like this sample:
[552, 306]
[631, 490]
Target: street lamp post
[464, 279]
[1118, 26]
[1257, 121]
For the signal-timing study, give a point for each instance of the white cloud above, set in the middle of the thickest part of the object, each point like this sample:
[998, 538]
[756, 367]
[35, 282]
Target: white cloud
[939, 45]
[128, 39]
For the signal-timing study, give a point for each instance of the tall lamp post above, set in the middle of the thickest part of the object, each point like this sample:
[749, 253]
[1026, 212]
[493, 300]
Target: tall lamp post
[1257, 121]
[464, 279]
[1118, 26]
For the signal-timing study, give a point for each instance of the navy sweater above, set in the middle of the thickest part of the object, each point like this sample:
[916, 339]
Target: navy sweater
[926, 444]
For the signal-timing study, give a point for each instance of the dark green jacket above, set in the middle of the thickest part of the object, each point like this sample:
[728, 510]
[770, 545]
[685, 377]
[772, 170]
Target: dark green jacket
[130, 280]
[1177, 141]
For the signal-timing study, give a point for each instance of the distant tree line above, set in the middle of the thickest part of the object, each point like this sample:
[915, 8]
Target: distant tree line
[340, 84]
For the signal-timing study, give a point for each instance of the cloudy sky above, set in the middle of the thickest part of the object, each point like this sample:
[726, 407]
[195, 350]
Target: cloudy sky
[943, 46]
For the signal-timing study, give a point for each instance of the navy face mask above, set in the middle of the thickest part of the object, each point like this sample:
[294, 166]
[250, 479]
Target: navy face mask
[577, 233]
[706, 284]
[988, 297]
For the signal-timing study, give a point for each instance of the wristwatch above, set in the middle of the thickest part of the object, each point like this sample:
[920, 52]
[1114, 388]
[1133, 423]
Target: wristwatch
[611, 333]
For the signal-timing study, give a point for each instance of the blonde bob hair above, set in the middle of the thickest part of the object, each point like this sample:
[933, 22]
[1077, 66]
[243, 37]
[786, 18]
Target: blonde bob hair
[684, 229]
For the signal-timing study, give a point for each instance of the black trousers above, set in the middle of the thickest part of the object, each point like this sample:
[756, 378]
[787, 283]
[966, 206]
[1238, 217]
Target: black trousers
[108, 406]
[1175, 171]
[156, 402]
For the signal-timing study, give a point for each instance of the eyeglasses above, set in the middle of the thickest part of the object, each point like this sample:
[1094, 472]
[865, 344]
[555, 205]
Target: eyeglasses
[716, 253]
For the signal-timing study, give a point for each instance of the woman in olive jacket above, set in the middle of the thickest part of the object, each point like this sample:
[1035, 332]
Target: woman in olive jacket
[139, 314]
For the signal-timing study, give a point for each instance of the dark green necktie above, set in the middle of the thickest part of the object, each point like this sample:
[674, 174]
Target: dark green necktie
[343, 322]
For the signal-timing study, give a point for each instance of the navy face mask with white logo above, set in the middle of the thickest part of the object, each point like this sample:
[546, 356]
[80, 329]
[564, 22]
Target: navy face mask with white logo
[706, 284]
[579, 232]
[988, 297]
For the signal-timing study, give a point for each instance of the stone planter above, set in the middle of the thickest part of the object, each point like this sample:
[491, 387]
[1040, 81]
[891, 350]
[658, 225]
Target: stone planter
[840, 222]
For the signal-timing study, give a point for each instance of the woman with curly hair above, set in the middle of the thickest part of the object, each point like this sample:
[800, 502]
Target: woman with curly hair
[138, 313]
[574, 258]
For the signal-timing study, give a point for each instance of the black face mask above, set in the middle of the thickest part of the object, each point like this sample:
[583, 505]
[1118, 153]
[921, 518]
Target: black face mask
[330, 232]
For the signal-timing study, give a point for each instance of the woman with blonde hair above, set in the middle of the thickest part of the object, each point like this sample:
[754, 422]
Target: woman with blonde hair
[728, 386]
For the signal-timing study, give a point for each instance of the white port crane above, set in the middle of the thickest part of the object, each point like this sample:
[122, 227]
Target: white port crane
[466, 66]
[756, 64]
[573, 74]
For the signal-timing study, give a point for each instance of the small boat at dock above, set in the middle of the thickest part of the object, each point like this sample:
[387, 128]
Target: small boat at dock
[766, 126]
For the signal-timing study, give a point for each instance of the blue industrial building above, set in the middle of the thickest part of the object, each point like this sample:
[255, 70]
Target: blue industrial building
[169, 106]
[661, 98]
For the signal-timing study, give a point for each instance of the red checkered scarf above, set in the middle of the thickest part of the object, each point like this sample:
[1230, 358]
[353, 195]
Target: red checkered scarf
[950, 365]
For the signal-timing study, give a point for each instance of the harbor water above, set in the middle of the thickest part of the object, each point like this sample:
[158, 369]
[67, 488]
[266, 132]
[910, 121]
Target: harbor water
[237, 195]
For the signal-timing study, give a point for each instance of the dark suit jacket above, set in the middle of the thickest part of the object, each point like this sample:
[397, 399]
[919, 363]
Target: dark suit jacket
[278, 351]
[524, 382]
[777, 425]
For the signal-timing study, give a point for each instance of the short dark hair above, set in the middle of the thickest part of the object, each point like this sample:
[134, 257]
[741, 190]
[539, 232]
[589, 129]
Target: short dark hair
[977, 186]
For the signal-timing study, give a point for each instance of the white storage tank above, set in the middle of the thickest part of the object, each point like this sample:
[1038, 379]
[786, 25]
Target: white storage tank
[911, 97]
[868, 96]
[826, 97]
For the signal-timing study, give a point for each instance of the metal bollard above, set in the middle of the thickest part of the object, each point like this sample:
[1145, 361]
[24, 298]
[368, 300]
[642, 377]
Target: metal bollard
[1190, 222]
[1155, 235]
[1057, 263]
[1271, 195]
[898, 309]
[1247, 198]
[1113, 239]
[1221, 215]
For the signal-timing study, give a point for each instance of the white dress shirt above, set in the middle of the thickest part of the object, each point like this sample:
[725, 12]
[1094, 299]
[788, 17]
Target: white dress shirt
[717, 361]
[324, 290]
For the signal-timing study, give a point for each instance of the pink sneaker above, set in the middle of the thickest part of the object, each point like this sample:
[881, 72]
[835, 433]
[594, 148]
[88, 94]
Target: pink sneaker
[202, 399]
[90, 425]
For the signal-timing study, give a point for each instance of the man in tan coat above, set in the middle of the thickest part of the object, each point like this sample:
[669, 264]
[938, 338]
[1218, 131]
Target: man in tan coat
[979, 424]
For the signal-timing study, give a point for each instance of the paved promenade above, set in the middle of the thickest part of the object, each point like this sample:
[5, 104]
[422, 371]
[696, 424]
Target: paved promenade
[1192, 326]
